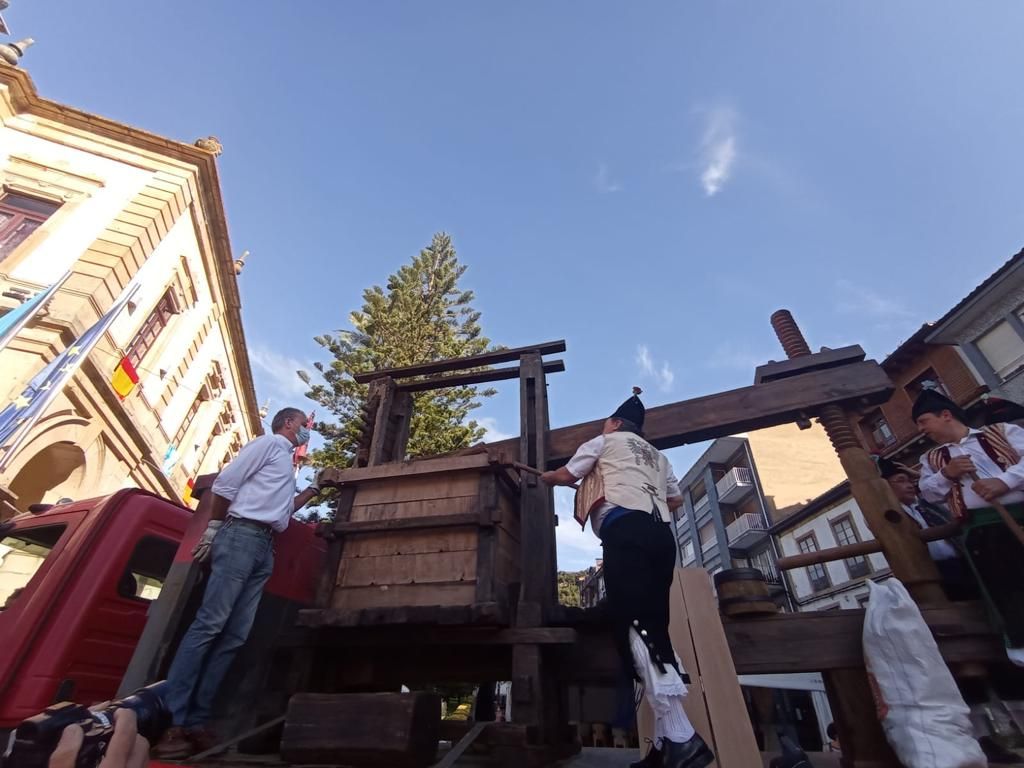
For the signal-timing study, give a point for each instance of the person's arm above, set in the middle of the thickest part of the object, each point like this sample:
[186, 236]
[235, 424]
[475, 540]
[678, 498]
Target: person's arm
[560, 476]
[233, 476]
[934, 486]
[579, 466]
[674, 496]
[225, 488]
[1013, 477]
[305, 497]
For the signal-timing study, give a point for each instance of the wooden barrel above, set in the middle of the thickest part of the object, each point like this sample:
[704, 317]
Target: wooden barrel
[743, 592]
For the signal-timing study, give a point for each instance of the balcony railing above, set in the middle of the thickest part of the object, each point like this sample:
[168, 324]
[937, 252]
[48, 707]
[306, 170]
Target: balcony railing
[734, 485]
[746, 530]
[701, 506]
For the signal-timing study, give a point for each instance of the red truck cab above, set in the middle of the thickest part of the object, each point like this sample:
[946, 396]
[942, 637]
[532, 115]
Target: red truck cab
[79, 582]
[76, 583]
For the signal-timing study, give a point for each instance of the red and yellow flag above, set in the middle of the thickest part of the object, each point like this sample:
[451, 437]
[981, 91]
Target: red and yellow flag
[187, 495]
[125, 378]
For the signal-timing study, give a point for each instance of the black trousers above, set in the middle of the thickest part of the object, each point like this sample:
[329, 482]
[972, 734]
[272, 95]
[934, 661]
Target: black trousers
[639, 565]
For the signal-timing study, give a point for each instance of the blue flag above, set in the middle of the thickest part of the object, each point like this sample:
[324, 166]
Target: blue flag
[26, 409]
[12, 323]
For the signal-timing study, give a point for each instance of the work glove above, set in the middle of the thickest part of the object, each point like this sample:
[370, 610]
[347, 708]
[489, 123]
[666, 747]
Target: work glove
[318, 483]
[201, 551]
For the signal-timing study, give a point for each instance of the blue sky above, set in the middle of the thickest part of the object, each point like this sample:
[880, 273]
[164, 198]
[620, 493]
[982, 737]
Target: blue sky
[648, 181]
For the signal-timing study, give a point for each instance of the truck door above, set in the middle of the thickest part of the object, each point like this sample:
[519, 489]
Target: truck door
[116, 620]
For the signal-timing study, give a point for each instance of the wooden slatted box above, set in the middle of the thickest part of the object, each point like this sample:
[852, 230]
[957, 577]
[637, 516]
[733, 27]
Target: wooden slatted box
[435, 540]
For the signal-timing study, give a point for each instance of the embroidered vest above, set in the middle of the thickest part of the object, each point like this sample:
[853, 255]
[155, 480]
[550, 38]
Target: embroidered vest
[635, 474]
[992, 440]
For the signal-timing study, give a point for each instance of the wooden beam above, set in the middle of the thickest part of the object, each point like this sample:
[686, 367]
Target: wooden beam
[737, 410]
[395, 636]
[464, 743]
[947, 531]
[813, 641]
[829, 358]
[408, 523]
[469, 379]
[463, 363]
[333, 477]
[822, 640]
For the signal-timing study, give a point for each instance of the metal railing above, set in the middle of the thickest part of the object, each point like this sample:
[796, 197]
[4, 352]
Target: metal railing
[751, 521]
[735, 477]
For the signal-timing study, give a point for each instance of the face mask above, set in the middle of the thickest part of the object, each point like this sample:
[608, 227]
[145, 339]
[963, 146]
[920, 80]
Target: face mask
[302, 436]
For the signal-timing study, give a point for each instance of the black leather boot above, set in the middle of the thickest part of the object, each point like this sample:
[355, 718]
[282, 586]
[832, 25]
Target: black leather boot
[652, 759]
[690, 754]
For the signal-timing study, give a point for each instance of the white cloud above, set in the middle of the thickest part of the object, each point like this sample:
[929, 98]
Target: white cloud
[859, 300]
[718, 150]
[661, 372]
[492, 432]
[577, 548]
[277, 373]
[603, 182]
[728, 355]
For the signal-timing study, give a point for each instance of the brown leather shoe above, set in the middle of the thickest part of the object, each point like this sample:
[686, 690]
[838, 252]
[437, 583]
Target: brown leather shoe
[175, 745]
[202, 738]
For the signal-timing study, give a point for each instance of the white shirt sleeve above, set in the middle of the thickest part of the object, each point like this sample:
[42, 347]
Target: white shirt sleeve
[242, 467]
[1014, 476]
[934, 486]
[585, 457]
[673, 482]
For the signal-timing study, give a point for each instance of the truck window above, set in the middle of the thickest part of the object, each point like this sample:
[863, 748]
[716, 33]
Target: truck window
[143, 577]
[21, 554]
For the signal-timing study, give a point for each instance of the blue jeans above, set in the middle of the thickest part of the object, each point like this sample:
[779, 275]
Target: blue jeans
[242, 559]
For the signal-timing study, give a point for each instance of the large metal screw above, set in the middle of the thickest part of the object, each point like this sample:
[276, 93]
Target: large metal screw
[832, 418]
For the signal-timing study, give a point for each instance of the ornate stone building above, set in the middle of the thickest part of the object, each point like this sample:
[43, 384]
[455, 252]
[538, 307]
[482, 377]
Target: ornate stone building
[117, 206]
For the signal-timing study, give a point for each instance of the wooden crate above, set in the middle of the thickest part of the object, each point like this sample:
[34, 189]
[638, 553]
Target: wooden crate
[440, 533]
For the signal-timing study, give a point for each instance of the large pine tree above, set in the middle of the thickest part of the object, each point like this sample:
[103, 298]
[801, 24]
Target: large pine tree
[422, 315]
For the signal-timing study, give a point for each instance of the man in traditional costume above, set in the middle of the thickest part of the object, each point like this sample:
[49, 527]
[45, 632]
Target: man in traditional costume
[969, 470]
[957, 578]
[631, 492]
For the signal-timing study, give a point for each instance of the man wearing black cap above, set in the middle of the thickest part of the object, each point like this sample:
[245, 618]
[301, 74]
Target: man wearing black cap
[957, 580]
[970, 469]
[632, 514]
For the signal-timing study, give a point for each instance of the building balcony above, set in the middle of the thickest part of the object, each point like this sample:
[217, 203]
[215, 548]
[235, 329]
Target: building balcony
[746, 530]
[701, 507]
[735, 485]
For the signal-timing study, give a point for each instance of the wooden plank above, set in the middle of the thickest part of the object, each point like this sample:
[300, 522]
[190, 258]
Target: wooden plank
[695, 704]
[462, 363]
[436, 567]
[735, 745]
[377, 525]
[356, 598]
[829, 358]
[332, 561]
[536, 505]
[416, 488]
[412, 542]
[487, 587]
[461, 615]
[469, 379]
[406, 468]
[820, 640]
[365, 729]
[420, 508]
[831, 554]
[856, 718]
[464, 743]
[727, 413]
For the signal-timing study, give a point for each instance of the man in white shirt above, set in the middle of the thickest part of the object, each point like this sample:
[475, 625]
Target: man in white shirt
[633, 519]
[253, 498]
[957, 579]
[970, 469]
